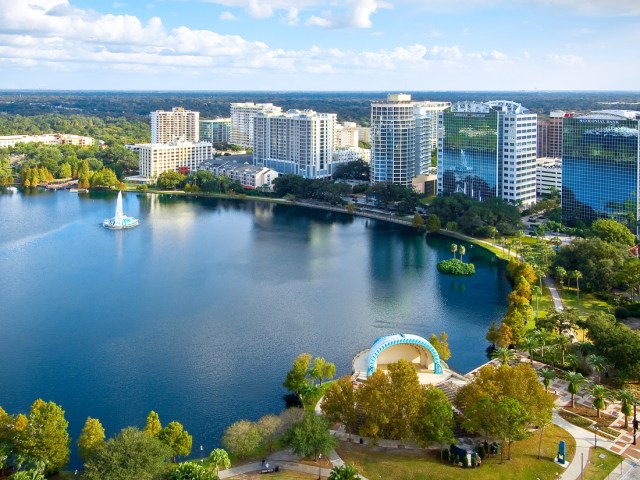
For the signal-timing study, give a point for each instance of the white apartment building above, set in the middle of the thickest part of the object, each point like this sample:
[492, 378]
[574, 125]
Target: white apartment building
[242, 121]
[300, 142]
[215, 131]
[548, 175]
[178, 125]
[432, 109]
[156, 158]
[46, 139]
[249, 176]
[400, 140]
[347, 135]
[349, 154]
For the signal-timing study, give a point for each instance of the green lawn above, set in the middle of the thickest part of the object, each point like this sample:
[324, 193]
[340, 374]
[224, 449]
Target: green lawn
[586, 303]
[398, 464]
[601, 463]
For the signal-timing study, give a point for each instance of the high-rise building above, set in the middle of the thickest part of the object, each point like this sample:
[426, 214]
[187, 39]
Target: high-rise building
[156, 158]
[178, 125]
[215, 131]
[548, 176]
[347, 135]
[242, 121]
[298, 142]
[433, 109]
[600, 172]
[550, 134]
[488, 150]
[400, 140]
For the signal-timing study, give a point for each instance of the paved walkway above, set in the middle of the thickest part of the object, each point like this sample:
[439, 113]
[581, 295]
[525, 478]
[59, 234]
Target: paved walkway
[286, 460]
[557, 300]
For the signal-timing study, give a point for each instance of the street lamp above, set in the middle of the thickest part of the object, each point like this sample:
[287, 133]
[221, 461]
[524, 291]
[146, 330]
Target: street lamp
[635, 421]
[201, 455]
[595, 436]
[319, 465]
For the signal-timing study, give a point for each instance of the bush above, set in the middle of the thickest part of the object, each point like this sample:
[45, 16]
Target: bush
[453, 266]
[474, 462]
[621, 312]
[465, 462]
[445, 454]
[143, 188]
[482, 453]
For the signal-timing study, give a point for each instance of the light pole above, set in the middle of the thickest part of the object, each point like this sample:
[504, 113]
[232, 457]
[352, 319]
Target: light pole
[595, 436]
[635, 421]
[319, 465]
[201, 454]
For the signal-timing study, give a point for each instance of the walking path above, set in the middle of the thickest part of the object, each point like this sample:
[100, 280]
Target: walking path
[557, 300]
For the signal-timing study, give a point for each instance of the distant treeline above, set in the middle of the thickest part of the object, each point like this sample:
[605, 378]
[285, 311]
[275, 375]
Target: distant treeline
[350, 106]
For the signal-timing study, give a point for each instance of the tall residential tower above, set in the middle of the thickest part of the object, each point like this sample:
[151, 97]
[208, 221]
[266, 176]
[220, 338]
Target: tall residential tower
[242, 121]
[178, 125]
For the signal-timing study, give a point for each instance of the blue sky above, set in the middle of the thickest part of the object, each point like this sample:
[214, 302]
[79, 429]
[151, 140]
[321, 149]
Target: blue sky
[320, 45]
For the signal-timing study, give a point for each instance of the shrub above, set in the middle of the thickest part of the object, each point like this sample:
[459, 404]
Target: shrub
[474, 462]
[142, 187]
[465, 462]
[482, 453]
[453, 266]
[445, 454]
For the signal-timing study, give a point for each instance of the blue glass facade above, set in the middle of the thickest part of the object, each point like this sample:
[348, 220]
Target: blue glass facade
[469, 158]
[600, 169]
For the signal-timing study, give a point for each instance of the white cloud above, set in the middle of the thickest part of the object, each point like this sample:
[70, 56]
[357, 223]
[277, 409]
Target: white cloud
[493, 55]
[292, 17]
[564, 59]
[228, 16]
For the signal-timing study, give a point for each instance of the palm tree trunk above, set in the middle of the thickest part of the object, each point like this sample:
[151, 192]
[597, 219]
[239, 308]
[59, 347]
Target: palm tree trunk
[626, 422]
[540, 441]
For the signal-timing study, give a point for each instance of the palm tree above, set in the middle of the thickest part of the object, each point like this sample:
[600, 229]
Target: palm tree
[344, 472]
[537, 291]
[626, 405]
[597, 363]
[560, 273]
[562, 342]
[454, 249]
[462, 251]
[600, 396]
[542, 338]
[547, 377]
[573, 361]
[529, 344]
[540, 273]
[577, 274]
[504, 355]
[576, 380]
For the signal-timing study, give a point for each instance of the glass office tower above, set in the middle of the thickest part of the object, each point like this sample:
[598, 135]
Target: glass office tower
[600, 167]
[468, 155]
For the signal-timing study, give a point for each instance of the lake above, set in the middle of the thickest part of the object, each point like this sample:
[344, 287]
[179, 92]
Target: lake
[199, 312]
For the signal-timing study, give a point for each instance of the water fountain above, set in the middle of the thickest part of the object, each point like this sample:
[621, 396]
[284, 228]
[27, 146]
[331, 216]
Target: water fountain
[120, 221]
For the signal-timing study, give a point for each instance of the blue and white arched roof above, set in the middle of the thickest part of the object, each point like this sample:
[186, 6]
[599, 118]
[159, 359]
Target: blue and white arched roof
[401, 338]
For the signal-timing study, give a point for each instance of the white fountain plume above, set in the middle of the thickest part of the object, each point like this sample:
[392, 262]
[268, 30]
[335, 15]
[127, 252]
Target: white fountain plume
[120, 221]
[119, 213]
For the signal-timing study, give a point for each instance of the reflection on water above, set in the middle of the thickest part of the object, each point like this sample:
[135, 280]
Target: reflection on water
[199, 312]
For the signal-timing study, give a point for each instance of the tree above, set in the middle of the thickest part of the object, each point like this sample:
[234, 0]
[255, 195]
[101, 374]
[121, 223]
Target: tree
[433, 224]
[269, 430]
[513, 422]
[131, 454]
[562, 342]
[530, 344]
[169, 180]
[153, 426]
[192, 471]
[504, 355]
[577, 274]
[600, 395]
[339, 403]
[597, 363]
[435, 421]
[560, 273]
[547, 377]
[242, 438]
[462, 251]
[492, 335]
[91, 438]
[322, 369]
[297, 381]
[218, 458]
[45, 437]
[405, 399]
[344, 472]
[627, 399]
[454, 249]
[310, 436]
[537, 292]
[105, 177]
[629, 275]
[418, 221]
[441, 345]
[64, 171]
[576, 381]
[611, 231]
[177, 439]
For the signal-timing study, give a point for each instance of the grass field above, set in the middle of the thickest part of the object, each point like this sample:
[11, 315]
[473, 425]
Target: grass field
[395, 464]
[601, 463]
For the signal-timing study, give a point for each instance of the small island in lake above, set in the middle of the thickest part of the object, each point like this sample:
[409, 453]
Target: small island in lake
[456, 266]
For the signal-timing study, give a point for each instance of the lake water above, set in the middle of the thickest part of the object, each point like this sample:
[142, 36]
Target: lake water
[199, 312]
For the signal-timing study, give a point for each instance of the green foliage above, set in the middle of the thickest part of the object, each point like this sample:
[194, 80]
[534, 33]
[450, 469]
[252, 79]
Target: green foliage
[192, 471]
[299, 187]
[169, 180]
[433, 224]
[153, 426]
[344, 472]
[418, 221]
[322, 370]
[611, 231]
[310, 436]
[296, 380]
[575, 382]
[177, 439]
[441, 345]
[242, 438]
[471, 215]
[131, 454]
[45, 437]
[339, 403]
[453, 266]
[219, 459]
[616, 342]
[356, 170]
[28, 475]
[434, 422]
[91, 438]
[387, 195]
[105, 177]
